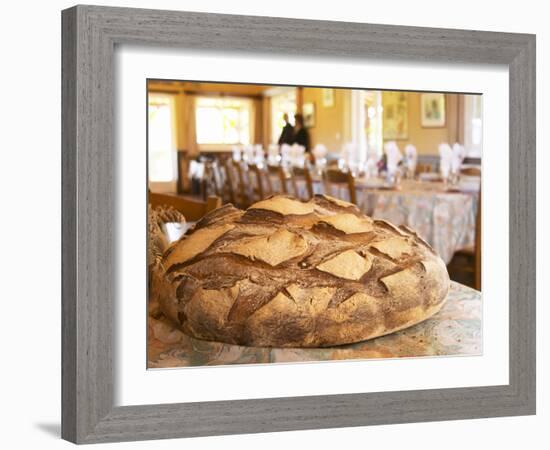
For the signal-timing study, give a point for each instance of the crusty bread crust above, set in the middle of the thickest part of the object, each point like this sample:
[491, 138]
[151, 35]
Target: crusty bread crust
[286, 273]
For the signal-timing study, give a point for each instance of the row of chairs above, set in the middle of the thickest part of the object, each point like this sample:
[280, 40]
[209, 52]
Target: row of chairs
[243, 184]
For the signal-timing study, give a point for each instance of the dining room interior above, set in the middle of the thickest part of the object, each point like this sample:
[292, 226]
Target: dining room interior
[410, 158]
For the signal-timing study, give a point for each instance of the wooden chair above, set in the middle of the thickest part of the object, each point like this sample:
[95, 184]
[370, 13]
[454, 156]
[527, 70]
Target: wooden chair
[231, 181]
[224, 176]
[468, 260]
[471, 171]
[278, 173]
[191, 208]
[303, 173]
[239, 185]
[424, 168]
[183, 182]
[334, 176]
[256, 187]
[211, 183]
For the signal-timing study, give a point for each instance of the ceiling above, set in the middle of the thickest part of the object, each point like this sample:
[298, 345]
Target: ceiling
[205, 87]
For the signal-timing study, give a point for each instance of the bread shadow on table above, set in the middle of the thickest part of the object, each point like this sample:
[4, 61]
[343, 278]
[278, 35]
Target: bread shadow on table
[51, 428]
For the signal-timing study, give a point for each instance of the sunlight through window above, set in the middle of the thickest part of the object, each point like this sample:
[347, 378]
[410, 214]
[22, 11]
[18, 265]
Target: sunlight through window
[162, 145]
[223, 120]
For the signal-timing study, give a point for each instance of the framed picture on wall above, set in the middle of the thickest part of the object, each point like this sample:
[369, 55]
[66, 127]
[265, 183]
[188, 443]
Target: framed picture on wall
[328, 98]
[308, 110]
[432, 110]
[396, 115]
[280, 276]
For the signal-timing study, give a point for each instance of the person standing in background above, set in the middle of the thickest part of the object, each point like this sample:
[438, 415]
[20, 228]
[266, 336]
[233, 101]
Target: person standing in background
[287, 135]
[301, 135]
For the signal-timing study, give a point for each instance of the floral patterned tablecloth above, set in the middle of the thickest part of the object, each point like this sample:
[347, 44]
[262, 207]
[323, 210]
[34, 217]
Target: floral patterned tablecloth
[444, 218]
[454, 330]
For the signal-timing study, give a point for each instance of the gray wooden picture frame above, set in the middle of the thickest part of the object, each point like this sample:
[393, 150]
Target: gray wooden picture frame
[90, 34]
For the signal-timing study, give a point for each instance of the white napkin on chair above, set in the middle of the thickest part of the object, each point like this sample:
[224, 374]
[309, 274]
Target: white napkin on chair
[273, 157]
[196, 169]
[319, 151]
[353, 160]
[248, 153]
[258, 154]
[286, 151]
[371, 167]
[298, 155]
[236, 153]
[410, 153]
[445, 159]
[350, 151]
[459, 153]
[393, 156]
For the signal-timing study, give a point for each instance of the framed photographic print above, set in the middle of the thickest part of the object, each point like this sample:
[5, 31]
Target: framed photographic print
[186, 328]
[432, 110]
[217, 281]
[396, 115]
[328, 98]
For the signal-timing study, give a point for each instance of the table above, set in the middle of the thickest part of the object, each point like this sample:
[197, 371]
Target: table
[454, 330]
[442, 217]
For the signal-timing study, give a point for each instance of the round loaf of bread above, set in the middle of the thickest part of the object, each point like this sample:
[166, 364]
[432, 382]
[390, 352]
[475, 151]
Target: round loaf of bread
[287, 273]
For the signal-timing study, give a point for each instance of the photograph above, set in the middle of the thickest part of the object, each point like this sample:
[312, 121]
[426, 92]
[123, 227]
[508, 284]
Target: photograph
[396, 115]
[272, 225]
[278, 233]
[284, 223]
[433, 110]
[328, 98]
[308, 110]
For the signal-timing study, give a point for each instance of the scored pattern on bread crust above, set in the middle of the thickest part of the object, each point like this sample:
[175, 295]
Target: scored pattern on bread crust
[273, 249]
[349, 223]
[292, 273]
[348, 264]
[394, 247]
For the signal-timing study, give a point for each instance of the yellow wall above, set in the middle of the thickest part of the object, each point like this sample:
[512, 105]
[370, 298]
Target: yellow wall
[427, 140]
[332, 124]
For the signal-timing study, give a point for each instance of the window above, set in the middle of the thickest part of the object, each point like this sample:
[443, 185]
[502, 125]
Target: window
[473, 126]
[162, 143]
[281, 104]
[366, 124]
[223, 120]
[373, 122]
